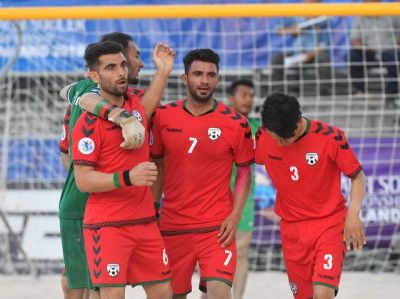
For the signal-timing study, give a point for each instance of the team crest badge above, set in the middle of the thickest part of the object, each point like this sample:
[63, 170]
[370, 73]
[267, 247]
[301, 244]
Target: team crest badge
[293, 288]
[86, 146]
[214, 133]
[137, 114]
[113, 269]
[312, 158]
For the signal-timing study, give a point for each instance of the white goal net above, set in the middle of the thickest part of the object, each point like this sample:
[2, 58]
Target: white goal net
[49, 54]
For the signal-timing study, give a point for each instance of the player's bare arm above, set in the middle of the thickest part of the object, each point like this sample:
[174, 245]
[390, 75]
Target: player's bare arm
[163, 59]
[64, 92]
[353, 229]
[242, 187]
[89, 180]
[65, 160]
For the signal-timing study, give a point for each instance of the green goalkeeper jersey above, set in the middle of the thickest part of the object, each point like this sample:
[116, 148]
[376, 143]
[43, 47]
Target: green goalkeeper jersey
[247, 220]
[72, 201]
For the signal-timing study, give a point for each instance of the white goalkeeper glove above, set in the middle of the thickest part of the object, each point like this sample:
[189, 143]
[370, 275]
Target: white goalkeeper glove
[133, 131]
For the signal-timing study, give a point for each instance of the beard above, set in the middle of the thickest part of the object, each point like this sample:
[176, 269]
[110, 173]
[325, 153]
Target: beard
[133, 81]
[114, 89]
[201, 98]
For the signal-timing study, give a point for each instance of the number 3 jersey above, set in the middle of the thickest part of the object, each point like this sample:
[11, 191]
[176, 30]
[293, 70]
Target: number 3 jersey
[307, 173]
[198, 153]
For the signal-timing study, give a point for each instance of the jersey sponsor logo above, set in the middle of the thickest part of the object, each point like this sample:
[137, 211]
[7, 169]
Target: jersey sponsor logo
[214, 133]
[86, 146]
[275, 157]
[312, 158]
[64, 133]
[224, 272]
[113, 127]
[137, 114]
[174, 130]
[113, 269]
[293, 288]
[325, 276]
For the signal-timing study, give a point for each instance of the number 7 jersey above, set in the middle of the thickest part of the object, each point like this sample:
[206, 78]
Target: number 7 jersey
[198, 153]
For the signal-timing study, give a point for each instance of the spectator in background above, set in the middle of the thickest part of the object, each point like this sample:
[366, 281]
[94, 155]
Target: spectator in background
[310, 45]
[375, 39]
[242, 99]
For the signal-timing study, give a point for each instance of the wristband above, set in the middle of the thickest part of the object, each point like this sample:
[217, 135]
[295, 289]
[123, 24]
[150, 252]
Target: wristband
[124, 114]
[121, 179]
[103, 109]
[127, 180]
[99, 106]
[117, 183]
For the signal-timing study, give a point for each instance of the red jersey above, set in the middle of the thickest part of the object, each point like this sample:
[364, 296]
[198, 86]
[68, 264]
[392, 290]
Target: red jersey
[96, 142]
[198, 155]
[307, 173]
[63, 144]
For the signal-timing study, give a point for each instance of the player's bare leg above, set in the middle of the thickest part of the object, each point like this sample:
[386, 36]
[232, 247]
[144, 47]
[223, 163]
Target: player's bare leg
[112, 293]
[158, 291]
[71, 293]
[218, 290]
[243, 239]
[323, 292]
[92, 294]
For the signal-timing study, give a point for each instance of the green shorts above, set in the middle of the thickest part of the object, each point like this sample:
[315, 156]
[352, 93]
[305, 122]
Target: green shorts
[75, 262]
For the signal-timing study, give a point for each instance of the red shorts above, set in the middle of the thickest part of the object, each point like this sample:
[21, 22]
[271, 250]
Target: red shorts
[215, 262]
[314, 253]
[126, 255]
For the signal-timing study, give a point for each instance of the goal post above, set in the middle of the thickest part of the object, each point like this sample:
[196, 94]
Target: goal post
[50, 56]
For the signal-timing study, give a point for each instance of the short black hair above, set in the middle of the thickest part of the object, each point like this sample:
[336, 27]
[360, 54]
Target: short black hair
[206, 55]
[94, 51]
[280, 114]
[240, 82]
[118, 37]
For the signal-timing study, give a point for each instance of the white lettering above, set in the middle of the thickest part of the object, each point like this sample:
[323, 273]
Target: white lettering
[382, 216]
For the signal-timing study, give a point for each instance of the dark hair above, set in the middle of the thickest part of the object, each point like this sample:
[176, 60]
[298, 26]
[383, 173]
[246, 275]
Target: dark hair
[94, 51]
[237, 83]
[206, 55]
[280, 114]
[118, 37]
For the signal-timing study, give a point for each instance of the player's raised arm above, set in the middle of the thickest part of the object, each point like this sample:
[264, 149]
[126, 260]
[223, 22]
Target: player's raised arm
[163, 59]
[241, 192]
[353, 228]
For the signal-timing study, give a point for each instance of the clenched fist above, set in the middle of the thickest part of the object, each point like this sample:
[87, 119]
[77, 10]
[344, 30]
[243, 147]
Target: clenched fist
[143, 174]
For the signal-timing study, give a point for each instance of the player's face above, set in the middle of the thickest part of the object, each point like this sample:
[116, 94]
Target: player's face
[243, 98]
[112, 74]
[134, 63]
[201, 81]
